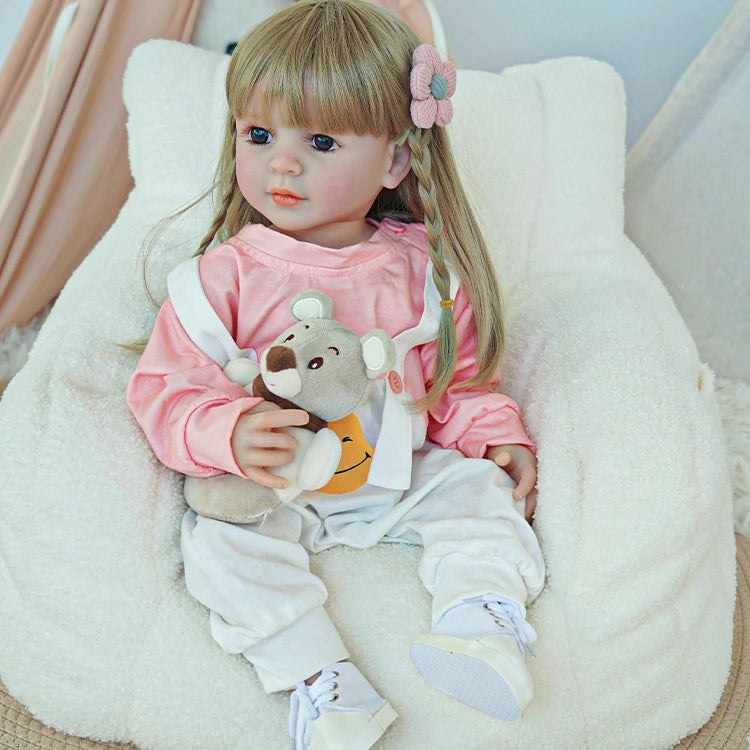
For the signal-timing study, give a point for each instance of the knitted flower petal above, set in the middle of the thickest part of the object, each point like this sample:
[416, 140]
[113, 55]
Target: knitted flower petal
[427, 55]
[444, 112]
[423, 112]
[420, 80]
[448, 71]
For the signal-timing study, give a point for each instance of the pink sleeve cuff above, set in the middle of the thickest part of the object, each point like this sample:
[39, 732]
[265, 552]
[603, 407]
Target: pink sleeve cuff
[481, 421]
[208, 434]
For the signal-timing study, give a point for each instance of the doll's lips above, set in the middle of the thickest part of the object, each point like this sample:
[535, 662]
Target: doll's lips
[283, 197]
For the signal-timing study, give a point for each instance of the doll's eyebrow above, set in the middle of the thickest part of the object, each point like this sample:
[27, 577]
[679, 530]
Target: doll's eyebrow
[334, 349]
[251, 120]
[250, 116]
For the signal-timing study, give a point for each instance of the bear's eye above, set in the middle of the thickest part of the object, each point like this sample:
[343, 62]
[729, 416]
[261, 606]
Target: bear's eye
[346, 440]
[289, 337]
[315, 364]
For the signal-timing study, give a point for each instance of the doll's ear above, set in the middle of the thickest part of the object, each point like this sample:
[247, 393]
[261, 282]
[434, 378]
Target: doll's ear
[400, 164]
[312, 304]
[378, 352]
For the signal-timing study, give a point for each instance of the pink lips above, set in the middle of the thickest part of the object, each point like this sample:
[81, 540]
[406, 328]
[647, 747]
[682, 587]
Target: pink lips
[284, 198]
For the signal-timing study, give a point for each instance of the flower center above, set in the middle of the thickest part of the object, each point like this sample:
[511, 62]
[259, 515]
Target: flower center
[438, 86]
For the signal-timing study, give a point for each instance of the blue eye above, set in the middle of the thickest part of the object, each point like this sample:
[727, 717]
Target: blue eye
[259, 135]
[322, 142]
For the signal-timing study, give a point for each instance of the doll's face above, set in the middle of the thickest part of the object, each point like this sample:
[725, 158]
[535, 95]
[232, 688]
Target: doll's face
[314, 186]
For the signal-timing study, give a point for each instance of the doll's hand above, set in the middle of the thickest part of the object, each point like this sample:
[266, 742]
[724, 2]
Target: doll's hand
[258, 441]
[520, 464]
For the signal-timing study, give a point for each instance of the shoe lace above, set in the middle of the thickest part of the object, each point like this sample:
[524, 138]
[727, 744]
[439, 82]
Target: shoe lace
[508, 618]
[305, 704]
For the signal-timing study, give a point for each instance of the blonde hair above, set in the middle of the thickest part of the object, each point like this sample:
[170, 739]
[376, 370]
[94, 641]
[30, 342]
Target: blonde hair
[348, 63]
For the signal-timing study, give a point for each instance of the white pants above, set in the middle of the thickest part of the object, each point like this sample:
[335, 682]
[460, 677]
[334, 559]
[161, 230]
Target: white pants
[266, 604]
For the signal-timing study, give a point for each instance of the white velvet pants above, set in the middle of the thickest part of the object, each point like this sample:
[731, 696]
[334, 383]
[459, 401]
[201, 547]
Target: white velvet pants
[266, 604]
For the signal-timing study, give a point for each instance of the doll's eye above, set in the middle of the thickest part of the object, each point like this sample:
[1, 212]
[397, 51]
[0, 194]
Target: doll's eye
[346, 440]
[322, 142]
[259, 136]
[315, 364]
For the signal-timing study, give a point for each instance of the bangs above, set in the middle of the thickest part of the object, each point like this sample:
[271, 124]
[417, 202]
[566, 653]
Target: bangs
[343, 65]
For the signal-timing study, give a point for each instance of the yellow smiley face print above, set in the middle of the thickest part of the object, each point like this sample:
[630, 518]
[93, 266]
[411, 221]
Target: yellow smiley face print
[356, 457]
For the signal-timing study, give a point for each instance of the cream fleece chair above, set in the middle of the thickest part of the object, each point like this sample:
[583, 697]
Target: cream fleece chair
[101, 638]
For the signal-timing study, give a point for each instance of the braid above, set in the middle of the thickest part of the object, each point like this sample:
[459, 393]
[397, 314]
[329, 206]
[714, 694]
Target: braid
[419, 142]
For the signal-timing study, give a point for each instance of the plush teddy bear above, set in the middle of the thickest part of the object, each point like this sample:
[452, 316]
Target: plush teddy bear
[323, 367]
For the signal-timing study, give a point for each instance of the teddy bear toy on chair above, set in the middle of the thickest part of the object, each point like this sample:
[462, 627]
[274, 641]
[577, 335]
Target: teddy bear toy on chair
[323, 367]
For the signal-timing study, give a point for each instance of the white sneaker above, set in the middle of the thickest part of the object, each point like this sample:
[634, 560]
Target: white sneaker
[339, 711]
[476, 653]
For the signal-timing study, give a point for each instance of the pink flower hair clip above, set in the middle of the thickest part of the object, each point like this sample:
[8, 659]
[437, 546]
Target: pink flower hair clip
[432, 83]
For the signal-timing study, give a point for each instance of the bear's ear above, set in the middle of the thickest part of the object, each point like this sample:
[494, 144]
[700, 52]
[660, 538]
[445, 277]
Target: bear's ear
[312, 304]
[378, 352]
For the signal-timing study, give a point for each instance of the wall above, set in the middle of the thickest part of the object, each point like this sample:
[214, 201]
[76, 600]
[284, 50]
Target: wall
[649, 42]
[12, 13]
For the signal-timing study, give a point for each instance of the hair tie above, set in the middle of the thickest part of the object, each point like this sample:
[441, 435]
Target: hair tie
[446, 304]
[432, 82]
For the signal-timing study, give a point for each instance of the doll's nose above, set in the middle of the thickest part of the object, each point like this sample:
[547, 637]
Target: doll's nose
[285, 162]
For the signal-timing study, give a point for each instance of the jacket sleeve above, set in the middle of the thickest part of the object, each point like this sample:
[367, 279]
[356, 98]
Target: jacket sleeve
[471, 420]
[182, 400]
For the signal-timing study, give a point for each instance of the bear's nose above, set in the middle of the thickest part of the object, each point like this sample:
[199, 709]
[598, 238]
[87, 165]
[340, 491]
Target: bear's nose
[280, 358]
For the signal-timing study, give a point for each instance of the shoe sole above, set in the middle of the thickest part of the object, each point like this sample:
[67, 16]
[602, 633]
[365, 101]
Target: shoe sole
[365, 737]
[373, 730]
[468, 679]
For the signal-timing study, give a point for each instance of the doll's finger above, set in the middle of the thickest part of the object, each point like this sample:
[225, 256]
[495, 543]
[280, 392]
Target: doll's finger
[266, 478]
[279, 418]
[259, 458]
[526, 487]
[502, 459]
[271, 440]
[247, 439]
[530, 505]
[525, 483]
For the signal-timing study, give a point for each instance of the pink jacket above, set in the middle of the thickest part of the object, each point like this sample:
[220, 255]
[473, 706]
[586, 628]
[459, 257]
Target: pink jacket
[187, 408]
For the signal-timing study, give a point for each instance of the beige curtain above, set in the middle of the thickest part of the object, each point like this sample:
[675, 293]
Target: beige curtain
[63, 147]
